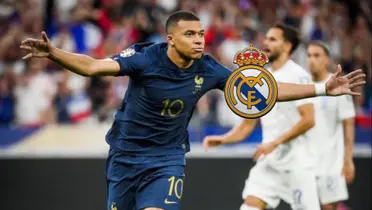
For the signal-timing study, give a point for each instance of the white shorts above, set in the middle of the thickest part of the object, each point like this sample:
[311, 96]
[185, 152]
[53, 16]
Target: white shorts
[297, 188]
[332, 188]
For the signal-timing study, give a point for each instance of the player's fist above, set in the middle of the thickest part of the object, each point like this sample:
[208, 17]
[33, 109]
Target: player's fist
[341, 85]
[263, 150]
[212, 141]
[37, 48]
[348, 171]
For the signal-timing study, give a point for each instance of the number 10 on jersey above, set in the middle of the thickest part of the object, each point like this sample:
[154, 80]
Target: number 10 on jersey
[172, 108]
[175, 186]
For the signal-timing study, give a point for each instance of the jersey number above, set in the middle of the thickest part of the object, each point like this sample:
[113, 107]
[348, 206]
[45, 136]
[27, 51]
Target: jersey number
[173, 186]
[168, 106]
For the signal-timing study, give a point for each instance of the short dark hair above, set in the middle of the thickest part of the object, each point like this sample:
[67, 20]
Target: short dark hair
[321, 44]
[290, 34]
[180, 15]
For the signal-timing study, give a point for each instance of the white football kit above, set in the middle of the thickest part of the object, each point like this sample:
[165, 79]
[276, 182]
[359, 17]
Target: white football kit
[328, 145]
[286, 173]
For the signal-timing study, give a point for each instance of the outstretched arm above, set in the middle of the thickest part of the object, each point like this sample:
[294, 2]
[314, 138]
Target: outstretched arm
[77, 63]
[337, 85]
[237, 134]
[83, 64]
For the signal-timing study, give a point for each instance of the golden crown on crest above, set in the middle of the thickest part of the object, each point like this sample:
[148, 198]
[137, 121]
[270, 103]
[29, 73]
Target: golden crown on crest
[251, 56]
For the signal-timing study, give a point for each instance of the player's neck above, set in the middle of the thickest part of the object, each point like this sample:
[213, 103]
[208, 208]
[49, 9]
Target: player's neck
[321, 76]
[178, 60]
[279, 62]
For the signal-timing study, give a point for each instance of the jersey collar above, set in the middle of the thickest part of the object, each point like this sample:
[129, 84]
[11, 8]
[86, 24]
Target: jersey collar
[169, 63]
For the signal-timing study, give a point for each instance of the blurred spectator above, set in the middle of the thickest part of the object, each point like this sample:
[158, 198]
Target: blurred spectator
[9, 47]
[113, 98]
[159, 34]
[61, 102]
[293, 14]
[72, 102]
[7, 100]
[215, 33]
[357, 54]
[64, 40]
[230, 46]
[34, 93]
[320, 30]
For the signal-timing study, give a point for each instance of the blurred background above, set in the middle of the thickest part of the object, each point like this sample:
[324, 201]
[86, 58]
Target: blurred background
[48, 114]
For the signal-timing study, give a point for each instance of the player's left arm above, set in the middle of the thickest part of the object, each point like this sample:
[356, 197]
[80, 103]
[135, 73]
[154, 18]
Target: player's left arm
[349, 168]
[346, 113]
[337, 85]
[306, 122]
[237, 134]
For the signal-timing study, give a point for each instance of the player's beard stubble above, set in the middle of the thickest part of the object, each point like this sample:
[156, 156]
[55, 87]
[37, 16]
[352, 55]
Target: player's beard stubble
[186, 57]
[274, 56]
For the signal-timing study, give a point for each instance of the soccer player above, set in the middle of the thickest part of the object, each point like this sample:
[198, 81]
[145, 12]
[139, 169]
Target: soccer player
[334, 133]
[148, 138]
[285, 137]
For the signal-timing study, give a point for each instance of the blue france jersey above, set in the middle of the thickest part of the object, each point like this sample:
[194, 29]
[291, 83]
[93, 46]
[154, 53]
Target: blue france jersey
[160, 100]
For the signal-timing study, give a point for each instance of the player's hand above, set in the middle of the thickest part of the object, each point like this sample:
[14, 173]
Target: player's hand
[341, 85]
[212, 141]
[263, 150]
[37, 48]
[348, 171]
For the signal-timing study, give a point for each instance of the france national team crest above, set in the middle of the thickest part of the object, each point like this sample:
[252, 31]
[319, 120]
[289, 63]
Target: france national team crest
[198, 84]
[251, 90]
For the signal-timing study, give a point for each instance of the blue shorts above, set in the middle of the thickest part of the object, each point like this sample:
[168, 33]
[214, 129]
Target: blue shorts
[137, 182]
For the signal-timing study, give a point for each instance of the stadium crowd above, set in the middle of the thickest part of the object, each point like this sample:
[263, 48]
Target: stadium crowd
[37, 92]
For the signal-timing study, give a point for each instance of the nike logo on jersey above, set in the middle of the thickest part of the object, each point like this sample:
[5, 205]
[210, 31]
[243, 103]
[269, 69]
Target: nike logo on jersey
[169, 202]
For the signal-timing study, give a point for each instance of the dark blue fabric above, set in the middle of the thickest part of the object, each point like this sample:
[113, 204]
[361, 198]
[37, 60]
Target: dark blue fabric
[160, 100]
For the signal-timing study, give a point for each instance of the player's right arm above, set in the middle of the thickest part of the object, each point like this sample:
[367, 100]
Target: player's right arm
[346, 113]
[83, 64]
[335, 86]
[77, 63]
[237, 134]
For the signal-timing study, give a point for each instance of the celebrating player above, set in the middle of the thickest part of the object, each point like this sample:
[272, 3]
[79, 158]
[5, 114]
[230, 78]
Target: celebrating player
[284, 136]
[148, 139]
[334, 133]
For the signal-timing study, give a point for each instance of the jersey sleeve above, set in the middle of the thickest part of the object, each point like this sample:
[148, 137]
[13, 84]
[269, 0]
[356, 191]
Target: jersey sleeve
[131, 63]
[346, 107]
[302, 79]
[224, 76]
[222, 72]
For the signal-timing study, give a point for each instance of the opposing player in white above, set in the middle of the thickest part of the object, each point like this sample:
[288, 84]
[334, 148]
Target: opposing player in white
[334, 134]
[283, 167]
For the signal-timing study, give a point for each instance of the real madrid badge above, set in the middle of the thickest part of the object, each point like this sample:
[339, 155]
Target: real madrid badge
[251, 90]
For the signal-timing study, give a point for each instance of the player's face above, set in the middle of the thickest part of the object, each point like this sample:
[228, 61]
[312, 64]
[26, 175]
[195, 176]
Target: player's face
[317, 59]
[274, 44]
[188, 39]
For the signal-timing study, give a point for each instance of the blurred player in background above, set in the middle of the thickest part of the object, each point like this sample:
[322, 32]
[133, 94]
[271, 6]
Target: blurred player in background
[284, 141]
[149, 138]
[333, 138]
